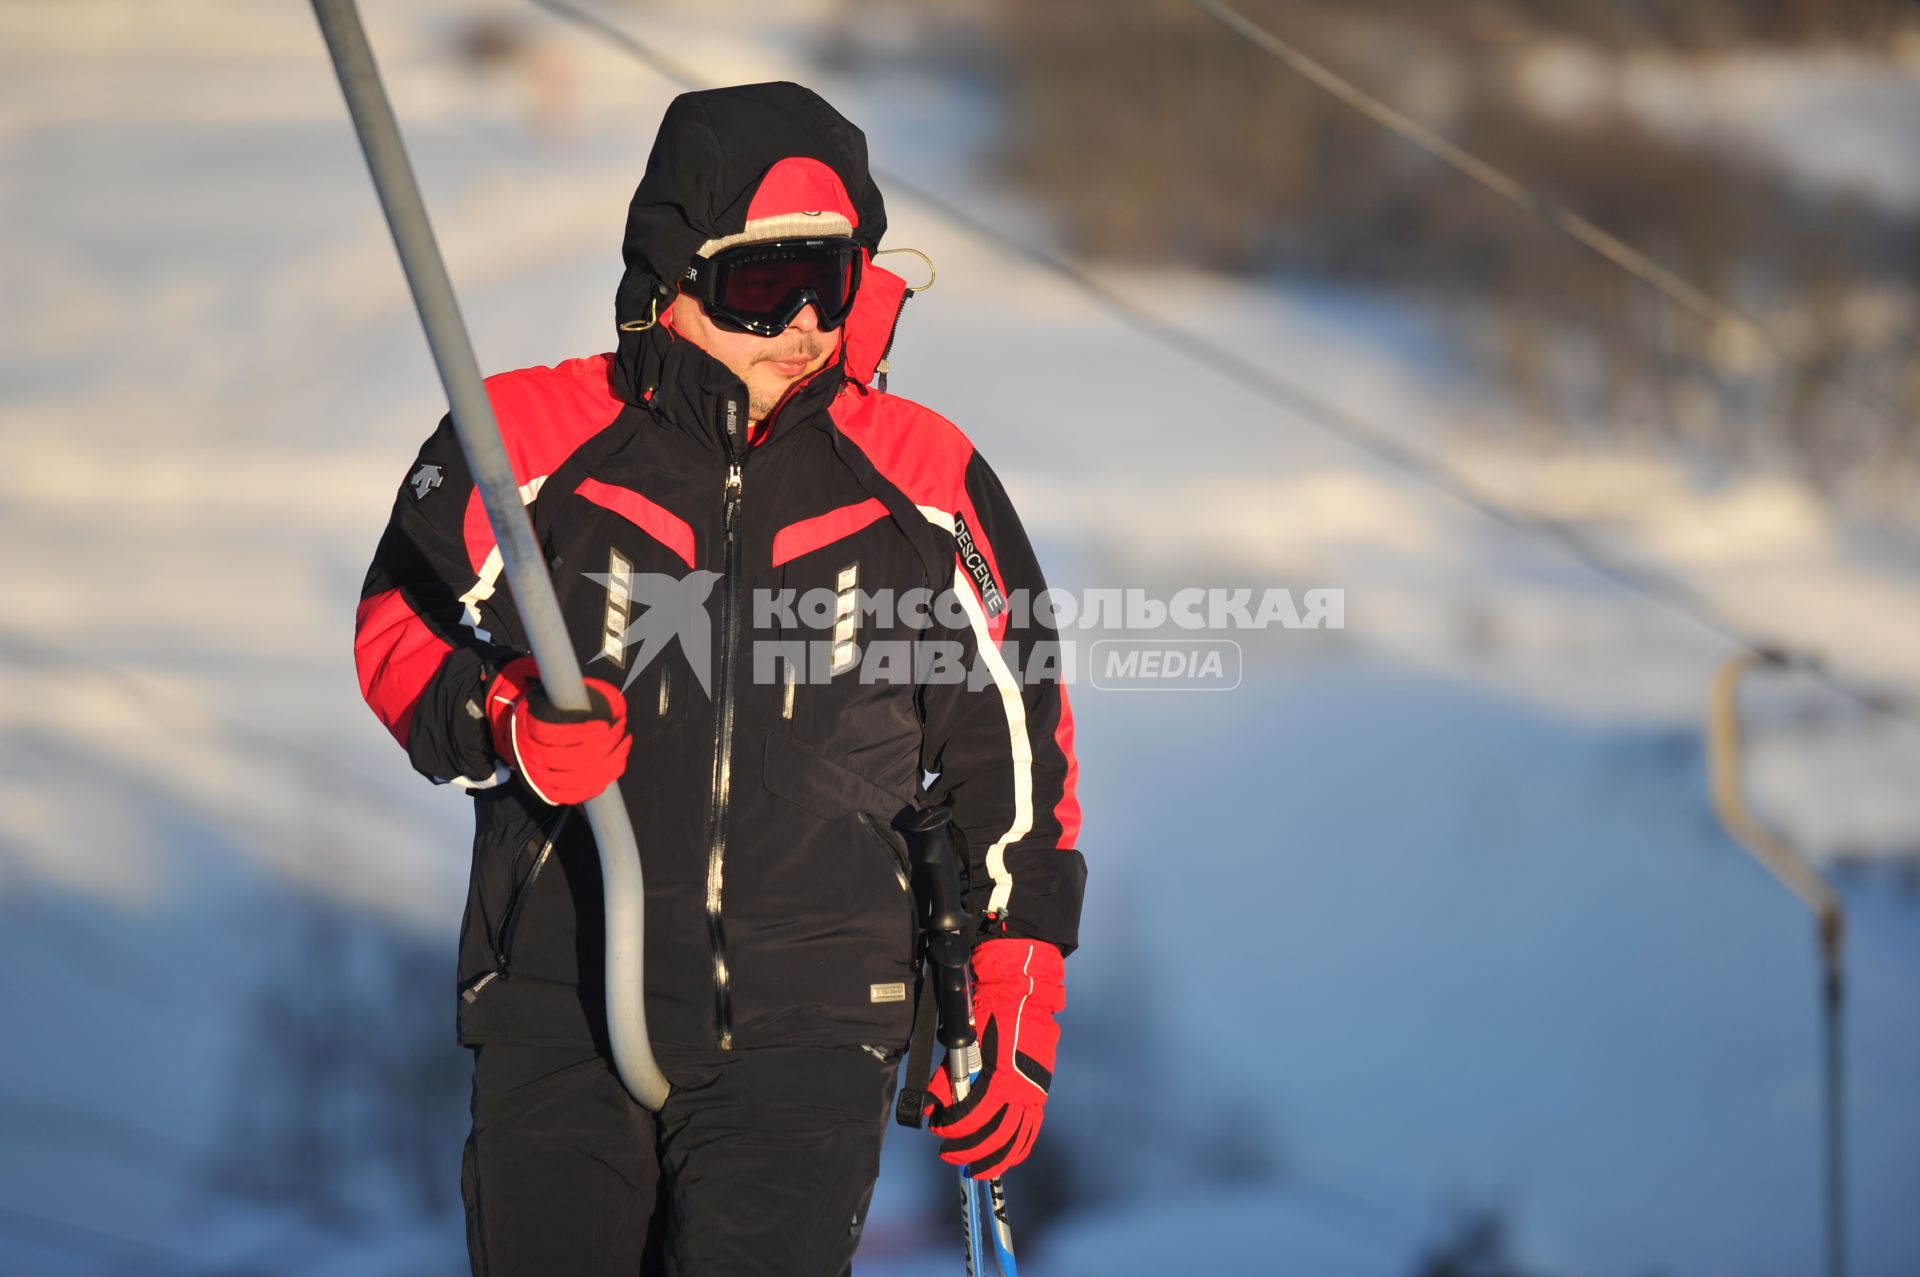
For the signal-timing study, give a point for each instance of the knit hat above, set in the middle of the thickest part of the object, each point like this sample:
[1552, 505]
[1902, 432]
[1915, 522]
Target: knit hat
[799, 198]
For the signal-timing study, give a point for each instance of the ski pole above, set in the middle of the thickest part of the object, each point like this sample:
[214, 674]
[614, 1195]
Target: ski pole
[493, 476]
[937, 865]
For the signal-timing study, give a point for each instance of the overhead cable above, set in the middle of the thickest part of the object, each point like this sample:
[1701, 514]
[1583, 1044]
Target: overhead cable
[1664, 589]
[1563, 219]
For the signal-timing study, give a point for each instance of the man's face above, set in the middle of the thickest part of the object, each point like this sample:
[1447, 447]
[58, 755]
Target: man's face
[768, 365]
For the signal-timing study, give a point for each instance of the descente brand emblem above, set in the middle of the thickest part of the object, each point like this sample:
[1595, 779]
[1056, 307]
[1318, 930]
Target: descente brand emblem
[425, 480]
[976, 565]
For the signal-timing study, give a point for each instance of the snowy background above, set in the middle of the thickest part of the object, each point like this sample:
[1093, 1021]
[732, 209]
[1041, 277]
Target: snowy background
[1421, 948]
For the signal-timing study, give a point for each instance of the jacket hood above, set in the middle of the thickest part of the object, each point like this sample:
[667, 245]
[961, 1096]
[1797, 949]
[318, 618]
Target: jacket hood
[724, 155]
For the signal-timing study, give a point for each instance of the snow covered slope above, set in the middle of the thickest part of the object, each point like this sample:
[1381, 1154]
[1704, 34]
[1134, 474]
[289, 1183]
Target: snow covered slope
[1430, 917]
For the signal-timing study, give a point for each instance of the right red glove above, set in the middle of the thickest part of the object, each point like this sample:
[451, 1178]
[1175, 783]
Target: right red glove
[564, 756]
[1017, 990]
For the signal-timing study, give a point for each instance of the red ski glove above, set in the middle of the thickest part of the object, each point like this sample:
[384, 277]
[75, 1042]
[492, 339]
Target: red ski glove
[1016, 991]
[564, 756]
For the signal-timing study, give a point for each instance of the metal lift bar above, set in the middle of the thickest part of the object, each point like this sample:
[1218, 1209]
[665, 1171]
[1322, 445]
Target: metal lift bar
[526, 568]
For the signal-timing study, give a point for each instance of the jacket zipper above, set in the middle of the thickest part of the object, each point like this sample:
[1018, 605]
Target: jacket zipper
[880, 365]
[503, 945]
[722, 754]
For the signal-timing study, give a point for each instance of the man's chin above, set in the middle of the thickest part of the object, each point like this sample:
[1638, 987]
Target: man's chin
[762, 399]
[767, 391]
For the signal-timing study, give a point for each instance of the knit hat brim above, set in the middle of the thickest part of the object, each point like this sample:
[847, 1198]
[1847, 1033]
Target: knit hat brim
[823, 225]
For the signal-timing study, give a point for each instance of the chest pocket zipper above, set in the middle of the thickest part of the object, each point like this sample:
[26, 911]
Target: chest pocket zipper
[896, 862]
[872, 826]
[510, 917]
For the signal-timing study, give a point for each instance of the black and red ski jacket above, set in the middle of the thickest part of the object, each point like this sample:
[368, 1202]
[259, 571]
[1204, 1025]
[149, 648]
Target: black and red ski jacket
[777, 906]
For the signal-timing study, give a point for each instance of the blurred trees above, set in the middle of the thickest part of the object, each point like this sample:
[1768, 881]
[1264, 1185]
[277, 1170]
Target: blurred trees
[1476, 1246]
[1165, 138]
[348, 1094]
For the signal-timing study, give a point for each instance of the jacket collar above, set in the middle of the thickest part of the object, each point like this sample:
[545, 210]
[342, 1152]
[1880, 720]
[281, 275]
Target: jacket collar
[689, 391]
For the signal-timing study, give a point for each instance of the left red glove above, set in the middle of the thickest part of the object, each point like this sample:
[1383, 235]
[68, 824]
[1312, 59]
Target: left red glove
[563, 756]
[1017, 988]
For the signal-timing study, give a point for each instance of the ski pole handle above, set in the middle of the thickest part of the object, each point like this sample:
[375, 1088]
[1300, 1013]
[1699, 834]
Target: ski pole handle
[936, 864]
[936, 867]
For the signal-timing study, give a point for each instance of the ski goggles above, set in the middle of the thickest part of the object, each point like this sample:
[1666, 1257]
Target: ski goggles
[762, 288]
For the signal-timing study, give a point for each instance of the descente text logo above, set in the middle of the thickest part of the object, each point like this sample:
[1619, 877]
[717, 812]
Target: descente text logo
[976, 565]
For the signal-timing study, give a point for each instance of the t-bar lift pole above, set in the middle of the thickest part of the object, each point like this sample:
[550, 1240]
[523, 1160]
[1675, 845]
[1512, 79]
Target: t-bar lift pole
[1799, 877]
[526, 569]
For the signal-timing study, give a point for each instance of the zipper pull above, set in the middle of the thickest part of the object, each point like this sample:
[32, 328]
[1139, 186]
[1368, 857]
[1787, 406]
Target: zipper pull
[734, 486]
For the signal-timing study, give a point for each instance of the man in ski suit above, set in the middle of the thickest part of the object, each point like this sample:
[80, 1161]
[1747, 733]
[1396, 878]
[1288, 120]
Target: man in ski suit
[728, 455]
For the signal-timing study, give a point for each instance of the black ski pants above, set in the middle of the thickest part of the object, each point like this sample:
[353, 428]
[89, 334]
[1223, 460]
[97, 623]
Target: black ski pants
[762, 1161]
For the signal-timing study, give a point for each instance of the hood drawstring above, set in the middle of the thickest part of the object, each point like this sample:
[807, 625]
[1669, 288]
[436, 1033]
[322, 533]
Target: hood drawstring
[641, 325]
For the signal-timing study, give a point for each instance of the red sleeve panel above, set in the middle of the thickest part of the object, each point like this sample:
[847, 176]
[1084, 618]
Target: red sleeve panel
[434, 620]
[396, 654]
